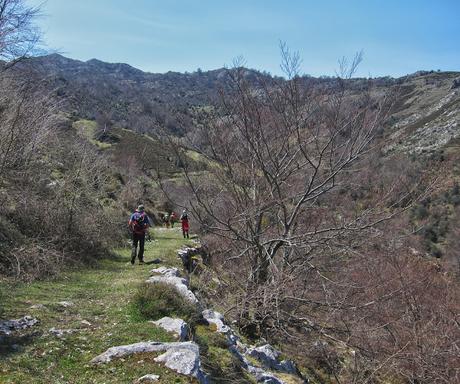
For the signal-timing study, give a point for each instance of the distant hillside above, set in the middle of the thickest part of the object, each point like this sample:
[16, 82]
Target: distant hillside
[426, 115]
[125, 95]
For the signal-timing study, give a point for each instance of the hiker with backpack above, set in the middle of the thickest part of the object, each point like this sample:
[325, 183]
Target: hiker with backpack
[166, 219]
[184, 222]
[139, 224]
[173, 219]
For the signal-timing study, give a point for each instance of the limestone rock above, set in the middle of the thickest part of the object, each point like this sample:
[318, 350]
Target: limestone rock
[9, 326]
[177, 326]
[269, 357]
[61, 332]
[178, 283]
[209, 314]
[126, 350]
[263, 376]
[147, 379]
[65, 304]
[37, 306]
[186, 255]
[183, 358]
[216, 318]
[165, 271]
[259, 374]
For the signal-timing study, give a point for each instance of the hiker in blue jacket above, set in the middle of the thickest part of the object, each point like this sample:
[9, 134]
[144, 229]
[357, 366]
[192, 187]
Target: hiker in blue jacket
[139, 224]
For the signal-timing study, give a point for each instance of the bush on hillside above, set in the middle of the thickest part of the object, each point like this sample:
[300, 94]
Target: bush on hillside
[53, 206]
[158, 300]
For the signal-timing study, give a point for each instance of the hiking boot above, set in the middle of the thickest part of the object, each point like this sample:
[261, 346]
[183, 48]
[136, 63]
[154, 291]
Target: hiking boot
[141, 262]
[132, 261]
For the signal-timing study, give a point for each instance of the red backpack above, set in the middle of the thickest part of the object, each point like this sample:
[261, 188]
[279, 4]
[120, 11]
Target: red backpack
[139, 221]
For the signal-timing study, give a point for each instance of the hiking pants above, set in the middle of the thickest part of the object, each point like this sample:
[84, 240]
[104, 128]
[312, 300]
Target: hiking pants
[138, 238]
[185, 228]
[185, 233]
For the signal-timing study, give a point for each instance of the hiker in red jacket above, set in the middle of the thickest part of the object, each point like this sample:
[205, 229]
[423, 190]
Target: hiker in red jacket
[184, 222]
[139, 224]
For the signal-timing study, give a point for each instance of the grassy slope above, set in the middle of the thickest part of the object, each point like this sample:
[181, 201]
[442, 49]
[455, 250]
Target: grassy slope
[102, 296]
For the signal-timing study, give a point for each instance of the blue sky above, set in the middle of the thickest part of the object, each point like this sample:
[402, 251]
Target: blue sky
[397, 37]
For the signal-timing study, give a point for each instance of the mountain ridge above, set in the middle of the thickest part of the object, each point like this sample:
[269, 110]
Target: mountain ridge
[95, 61]
[426, 107]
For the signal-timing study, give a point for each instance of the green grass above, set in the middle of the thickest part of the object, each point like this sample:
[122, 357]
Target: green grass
[102, 296]
[87, 129]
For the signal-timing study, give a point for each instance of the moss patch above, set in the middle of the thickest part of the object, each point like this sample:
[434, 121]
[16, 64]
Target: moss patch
[216, 359]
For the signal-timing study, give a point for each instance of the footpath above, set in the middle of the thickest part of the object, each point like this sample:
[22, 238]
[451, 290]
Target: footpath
[103, 325]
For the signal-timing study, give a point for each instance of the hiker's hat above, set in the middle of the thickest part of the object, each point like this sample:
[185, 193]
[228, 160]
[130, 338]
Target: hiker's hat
[140, 208]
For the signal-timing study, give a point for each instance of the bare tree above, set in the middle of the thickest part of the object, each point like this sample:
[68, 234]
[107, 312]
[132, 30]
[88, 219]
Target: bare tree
[294, 206]
[19, 36]
[27, 117]
[277, 148]
[22, 105]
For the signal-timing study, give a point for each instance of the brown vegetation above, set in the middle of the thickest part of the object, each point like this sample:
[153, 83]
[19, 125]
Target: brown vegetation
[306, 224]
[52, 184]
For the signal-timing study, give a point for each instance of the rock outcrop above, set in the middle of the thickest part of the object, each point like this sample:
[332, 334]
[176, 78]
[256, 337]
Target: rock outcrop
[61, 332]
[184, 358]
[147, 379]
[262, 362]
[187, 255]
[177, 326]
[170, 276]
[217, 319]
[9, 326]
[267, 356]
[270, 358]
[165, 271]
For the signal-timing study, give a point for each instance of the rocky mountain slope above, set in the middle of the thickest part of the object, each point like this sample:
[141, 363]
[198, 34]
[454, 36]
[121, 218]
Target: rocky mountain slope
[125, 95]
[425, 117]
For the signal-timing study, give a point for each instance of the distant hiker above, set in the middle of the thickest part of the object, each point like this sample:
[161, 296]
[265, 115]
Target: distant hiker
[184, 222]
[139, 224]
[173, 219]
[166, 219]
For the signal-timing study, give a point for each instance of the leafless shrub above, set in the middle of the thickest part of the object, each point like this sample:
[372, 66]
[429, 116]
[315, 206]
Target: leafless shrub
[27, 117]
[19, 36]
[31, 261]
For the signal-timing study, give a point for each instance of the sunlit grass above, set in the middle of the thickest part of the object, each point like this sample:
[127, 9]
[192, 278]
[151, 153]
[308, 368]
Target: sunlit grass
[102, 316]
